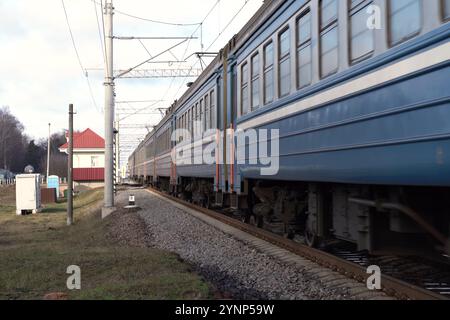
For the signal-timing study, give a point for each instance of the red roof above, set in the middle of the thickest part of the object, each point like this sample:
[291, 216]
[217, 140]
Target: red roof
[89, 174]
[87, 139]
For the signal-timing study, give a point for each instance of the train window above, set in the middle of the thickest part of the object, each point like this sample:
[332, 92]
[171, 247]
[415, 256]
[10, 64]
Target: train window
[207, 113]
[284, 62]
[202, 116]
[328, 12]
[196, 119]
[304, 54]
[268, 73]
[190, 121]
[404, 19]
[213, 109]
[169, 138]
[191, 124]
[446, 9]
[362, 38]
[255, 82]
[328, 37]
[244, 89]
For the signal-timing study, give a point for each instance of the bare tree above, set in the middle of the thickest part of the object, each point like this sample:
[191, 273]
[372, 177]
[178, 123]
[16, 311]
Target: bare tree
[11, 140]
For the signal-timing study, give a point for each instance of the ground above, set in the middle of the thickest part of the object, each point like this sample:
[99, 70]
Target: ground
[35, 251]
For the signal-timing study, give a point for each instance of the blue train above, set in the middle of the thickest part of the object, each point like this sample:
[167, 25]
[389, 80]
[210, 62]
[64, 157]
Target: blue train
[356, 94]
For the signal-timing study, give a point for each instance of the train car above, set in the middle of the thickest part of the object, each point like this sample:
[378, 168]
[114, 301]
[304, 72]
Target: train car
[148, 163]
[354, 96]
[163, 160]
[196, 121]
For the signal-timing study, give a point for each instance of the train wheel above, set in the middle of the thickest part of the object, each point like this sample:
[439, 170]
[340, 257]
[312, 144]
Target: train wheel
[310, 238]
[255, 221]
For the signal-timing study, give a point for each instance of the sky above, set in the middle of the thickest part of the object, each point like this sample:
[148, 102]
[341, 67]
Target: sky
[40, 73]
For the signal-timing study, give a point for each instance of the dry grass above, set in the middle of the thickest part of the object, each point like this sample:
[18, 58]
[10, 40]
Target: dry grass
[35, 251]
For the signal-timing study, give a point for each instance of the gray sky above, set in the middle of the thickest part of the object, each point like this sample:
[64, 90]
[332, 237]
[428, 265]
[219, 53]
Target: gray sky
[40, 74]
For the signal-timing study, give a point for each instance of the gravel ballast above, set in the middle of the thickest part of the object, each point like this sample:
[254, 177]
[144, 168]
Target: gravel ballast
[236, 269]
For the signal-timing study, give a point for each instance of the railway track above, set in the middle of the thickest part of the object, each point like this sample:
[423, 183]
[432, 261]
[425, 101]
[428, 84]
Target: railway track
[349, 264]
[426, 274]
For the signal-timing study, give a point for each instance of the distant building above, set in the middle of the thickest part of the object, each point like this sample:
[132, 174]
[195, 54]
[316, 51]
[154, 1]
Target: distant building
[88, 158]
[5, 175]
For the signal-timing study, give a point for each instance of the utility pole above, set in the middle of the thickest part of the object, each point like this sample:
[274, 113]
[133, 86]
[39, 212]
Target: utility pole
[117, 153]
[70, 170]
[109, 111]
[48, 153]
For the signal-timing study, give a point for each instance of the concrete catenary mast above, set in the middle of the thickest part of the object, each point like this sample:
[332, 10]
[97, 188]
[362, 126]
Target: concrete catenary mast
[109, 110]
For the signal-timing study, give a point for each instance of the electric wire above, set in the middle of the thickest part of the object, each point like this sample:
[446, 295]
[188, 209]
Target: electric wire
[78, 57]
[152, 20]
[185, 52]
[215, 40]
[100, 32]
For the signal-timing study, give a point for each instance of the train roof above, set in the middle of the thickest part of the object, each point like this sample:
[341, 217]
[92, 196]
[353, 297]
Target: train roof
[264, 12]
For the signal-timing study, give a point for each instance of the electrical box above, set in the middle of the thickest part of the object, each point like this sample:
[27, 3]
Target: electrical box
[53, 183]
[28, 193]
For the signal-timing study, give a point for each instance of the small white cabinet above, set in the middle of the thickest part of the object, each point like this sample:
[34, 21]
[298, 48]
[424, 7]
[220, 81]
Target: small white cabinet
[28, 193]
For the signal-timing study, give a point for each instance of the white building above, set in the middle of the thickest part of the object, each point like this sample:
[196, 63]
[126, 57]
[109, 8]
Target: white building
[88, 158]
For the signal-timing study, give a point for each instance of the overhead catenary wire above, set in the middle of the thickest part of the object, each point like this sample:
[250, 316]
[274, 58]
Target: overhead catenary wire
[78, 57]
[215, 40]
[100, 32]
[228, 24]
[187, 48]
[153, 20]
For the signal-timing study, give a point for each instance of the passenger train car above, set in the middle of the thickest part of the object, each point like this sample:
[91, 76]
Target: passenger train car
[359, 93]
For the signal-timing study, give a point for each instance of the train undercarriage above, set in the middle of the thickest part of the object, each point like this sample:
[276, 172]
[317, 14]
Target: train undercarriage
[377, 219]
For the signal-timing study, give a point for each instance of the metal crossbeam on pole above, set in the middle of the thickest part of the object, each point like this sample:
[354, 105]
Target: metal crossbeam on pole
[150, 59]
[135, 126]
[159, 73]
[154, 38]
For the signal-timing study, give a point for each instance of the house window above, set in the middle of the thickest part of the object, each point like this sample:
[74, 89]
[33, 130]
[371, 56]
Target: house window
[404, 19]
[328, 37]
[304, 62]
[95, 163]
[284, 48]
[255, 82]
[361, 37]
[268, 73]
[244, 89]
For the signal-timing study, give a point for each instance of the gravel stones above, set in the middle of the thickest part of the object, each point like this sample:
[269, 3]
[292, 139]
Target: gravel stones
[235, 268]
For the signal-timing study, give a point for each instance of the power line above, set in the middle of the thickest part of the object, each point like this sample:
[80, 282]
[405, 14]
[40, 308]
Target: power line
[78, 57]
[100, 32]
[214, 41]
[228, 24]
[153, 20]
[157, 21]
[187, 48]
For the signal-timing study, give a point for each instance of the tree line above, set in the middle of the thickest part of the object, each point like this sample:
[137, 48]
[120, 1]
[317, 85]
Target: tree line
[17, 150]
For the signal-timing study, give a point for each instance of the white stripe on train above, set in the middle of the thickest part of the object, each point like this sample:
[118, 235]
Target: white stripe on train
[408, 66]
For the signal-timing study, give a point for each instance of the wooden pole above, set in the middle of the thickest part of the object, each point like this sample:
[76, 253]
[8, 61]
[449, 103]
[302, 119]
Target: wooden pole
[70, 170]
[48, 152]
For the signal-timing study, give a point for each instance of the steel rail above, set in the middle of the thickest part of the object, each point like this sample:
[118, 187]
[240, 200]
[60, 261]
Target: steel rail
[391, 286]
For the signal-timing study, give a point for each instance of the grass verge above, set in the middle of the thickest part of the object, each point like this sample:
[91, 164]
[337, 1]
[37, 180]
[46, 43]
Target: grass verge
[35, 251]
